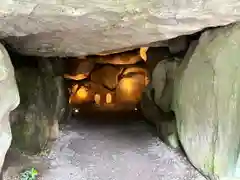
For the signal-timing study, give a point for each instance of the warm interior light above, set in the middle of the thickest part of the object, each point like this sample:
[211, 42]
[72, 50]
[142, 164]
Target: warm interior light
[143, 53]
[82, 93]
[97, 99]
[128, 85]
[108, 98]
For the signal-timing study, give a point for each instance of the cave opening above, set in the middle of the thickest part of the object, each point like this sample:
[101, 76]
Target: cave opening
[102, 99]
[110, 86]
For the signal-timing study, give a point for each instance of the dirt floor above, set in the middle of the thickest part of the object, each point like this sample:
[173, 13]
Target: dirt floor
[114, 147]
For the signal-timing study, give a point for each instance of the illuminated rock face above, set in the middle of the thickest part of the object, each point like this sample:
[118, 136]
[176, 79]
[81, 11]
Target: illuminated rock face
[111, 86]
[111, 83]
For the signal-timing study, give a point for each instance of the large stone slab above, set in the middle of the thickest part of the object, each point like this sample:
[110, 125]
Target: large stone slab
[207, 103]
[43, 104]
[79, 27]
[9, 100]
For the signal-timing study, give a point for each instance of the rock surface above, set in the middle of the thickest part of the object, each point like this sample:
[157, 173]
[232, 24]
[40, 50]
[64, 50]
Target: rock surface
[9, 100]
[163, 84]
[75, 28]
[43, 104]
[207, 103]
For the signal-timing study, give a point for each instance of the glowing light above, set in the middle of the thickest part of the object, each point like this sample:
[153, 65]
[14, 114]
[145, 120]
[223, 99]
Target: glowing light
[108, 98]
[76, 110]
[82, 93]
[128, 85]
[97, 99]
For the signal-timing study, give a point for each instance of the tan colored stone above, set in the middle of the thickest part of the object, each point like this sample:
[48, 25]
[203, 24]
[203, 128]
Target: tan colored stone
[135, 70]
[130, 88]
[107, 76]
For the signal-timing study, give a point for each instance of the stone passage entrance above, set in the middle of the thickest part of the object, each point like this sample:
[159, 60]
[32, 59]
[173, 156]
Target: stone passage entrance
[192, 79]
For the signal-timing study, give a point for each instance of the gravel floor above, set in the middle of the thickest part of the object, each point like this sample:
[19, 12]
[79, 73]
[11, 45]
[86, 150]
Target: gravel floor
[96, 149]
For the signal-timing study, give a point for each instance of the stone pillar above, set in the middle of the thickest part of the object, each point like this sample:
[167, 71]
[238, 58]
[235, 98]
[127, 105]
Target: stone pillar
[207, 104]
[9, 100]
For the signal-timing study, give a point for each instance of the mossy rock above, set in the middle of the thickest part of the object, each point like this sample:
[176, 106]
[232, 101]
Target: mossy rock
[43, 103]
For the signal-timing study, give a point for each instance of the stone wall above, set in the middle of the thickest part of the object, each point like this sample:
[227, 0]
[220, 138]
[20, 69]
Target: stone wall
[9, 100]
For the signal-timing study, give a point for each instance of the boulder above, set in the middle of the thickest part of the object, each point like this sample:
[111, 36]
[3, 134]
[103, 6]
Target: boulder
[9, 100]
[163, 82]
[164, 122]
[43, 104]
[207, 103]
[130, 88]
[78, 27]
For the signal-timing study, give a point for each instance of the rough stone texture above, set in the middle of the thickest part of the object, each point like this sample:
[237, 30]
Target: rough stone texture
[206, 103]
[9, 100]
[73, 27]
[130, 88]
[154, 55]
[107, 148]
[163, 82]
[164, 122]
[43, 104]
[178, 44]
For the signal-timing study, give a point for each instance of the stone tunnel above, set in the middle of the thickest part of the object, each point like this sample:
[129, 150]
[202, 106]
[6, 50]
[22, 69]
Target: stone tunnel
[174, 64]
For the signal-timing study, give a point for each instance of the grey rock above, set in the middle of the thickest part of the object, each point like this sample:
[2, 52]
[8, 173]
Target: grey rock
[178, 44]
[77, 27]
[163, 87]
[9, 100]
[43, 104]
[206, 103]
